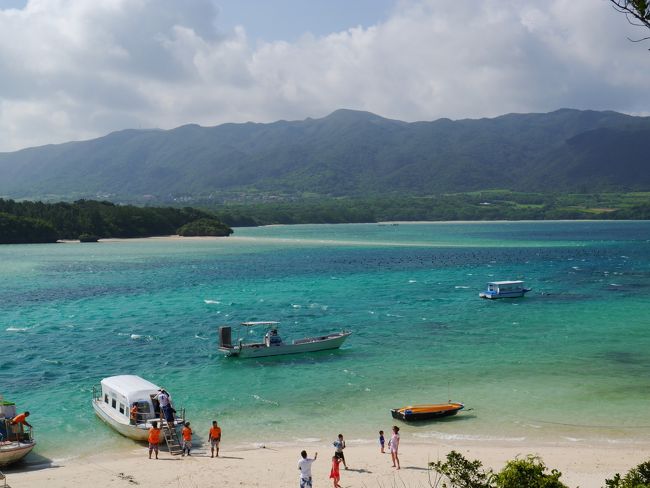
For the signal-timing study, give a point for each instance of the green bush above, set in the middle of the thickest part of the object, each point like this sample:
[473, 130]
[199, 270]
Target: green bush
[458, 472]
[529, 472]
[638, 477]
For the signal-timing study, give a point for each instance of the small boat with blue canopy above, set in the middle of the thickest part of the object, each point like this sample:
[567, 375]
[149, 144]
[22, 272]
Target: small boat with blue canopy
[504, 289]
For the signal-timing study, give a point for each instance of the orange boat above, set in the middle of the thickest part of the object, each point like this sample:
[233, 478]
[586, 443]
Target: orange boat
[427, 412]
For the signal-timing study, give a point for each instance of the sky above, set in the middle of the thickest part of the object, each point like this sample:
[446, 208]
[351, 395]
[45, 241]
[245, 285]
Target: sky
[78, 69]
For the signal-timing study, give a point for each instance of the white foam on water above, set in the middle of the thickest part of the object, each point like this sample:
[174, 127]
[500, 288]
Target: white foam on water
[461, 286]
[196, 336]
[413, 281]
[210, 302]
[17, 329]
[264, 400]
[572, 439]
[295, 305]
[615, 284]
[466, 437]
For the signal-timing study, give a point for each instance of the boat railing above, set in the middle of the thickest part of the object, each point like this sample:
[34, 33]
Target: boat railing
[17, 432]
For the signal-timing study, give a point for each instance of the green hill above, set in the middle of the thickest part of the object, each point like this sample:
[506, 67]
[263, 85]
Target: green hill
[347, 153]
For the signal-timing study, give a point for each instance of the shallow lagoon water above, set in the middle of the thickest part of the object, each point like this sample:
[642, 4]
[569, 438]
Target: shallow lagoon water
[567, 363]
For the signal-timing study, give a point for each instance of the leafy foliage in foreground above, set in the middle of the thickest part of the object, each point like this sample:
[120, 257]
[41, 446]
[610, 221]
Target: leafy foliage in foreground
[32, 222]
[459, 472]
[638, 477]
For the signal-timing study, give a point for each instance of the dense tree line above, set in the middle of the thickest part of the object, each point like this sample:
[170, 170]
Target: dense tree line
[490, 205]
[28, 222]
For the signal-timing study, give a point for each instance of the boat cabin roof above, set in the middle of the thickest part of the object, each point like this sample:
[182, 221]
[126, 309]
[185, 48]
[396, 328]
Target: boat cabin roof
[268, 323]
[131, 386]
[506, 283]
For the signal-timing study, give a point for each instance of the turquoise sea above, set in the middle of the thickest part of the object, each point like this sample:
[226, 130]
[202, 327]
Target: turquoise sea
[569, 363]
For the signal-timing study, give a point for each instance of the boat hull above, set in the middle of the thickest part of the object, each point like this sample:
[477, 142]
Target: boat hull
[14, 451]
[312, 344]
[426, 412]
[135, 432]
[511, 294]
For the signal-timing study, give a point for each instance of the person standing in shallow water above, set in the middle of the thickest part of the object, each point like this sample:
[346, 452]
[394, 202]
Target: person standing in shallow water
[304, 466]
[394, 446]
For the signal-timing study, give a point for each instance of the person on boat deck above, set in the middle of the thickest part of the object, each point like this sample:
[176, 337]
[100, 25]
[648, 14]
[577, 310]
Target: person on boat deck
[154, 438]
[273, 338]
[214, 437]
[165, 404]
[134, 414]
[21, 419]
[187, 438]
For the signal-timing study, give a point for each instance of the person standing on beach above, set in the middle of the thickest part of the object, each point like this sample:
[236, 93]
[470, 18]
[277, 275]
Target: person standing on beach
[154, 438]
[381, 441]
[304, 466]
[339, 444]
[335, 473]
[215, 438]
[187, 438]
[394, 446]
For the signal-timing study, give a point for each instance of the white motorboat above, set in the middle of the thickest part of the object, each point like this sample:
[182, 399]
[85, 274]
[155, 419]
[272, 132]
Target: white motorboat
[504, 289]
[273, 345]
[115, 397]
[16, 441]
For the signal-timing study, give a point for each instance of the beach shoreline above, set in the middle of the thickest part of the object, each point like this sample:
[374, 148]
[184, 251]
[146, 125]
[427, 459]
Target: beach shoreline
[275, 465]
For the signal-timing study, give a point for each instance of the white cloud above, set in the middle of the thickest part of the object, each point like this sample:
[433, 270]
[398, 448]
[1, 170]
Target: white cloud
[76, 69]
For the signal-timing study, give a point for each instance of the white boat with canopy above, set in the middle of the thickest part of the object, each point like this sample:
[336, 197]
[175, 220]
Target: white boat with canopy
[504, 289]
[273, 344]
[16, 440]
[116, 396]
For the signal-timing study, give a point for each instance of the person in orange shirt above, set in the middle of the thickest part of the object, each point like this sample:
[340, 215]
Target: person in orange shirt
[187, 438]
[21, 419]
[214, 438]
[134, 414]
[154, 438]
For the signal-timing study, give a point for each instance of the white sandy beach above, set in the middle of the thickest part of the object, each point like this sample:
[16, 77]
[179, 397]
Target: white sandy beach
[584, 466]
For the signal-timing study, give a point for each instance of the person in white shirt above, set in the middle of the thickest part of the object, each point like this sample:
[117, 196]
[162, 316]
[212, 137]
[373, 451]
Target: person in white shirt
[394, 446]
[304, 466]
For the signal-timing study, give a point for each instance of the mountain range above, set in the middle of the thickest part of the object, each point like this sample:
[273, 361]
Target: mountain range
[347, 153]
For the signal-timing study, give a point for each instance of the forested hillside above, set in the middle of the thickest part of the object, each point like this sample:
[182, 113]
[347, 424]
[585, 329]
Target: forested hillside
[347, 153]
[32, 222]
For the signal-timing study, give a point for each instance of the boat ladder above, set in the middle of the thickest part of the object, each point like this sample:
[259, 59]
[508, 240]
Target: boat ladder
[3, 478]
[171, 438]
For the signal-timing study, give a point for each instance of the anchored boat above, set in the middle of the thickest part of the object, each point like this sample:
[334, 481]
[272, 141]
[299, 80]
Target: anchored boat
[273, 345]
[114, 401]
[426, 412]
[504, 289]
[16, 440]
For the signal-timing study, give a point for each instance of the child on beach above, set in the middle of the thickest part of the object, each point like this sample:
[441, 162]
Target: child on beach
[154, 438]
[187, 438]
[381, 440]
[335, 474]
